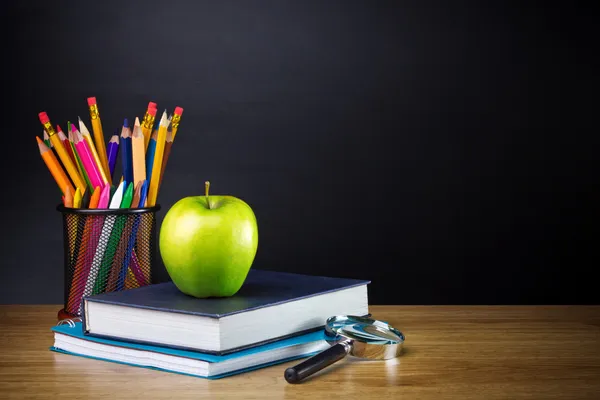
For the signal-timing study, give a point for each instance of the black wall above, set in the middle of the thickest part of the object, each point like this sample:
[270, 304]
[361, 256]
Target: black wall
[444, 150]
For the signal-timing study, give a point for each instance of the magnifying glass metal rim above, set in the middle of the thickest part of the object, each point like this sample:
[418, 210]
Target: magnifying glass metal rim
[334, 333]
[344, 342]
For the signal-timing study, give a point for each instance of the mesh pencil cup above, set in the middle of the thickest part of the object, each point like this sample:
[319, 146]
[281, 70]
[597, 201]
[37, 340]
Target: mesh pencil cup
[106, 251]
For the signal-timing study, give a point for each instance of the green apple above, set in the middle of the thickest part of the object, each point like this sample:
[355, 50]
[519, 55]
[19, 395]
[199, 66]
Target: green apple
[208, 244]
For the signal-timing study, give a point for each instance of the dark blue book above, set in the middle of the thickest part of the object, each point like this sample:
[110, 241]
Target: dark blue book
[270, 306]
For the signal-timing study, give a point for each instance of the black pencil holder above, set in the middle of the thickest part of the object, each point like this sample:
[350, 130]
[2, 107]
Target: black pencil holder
[106, 250]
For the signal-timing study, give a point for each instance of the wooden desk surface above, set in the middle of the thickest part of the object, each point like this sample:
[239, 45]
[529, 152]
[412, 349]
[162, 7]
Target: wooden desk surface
[451, 352]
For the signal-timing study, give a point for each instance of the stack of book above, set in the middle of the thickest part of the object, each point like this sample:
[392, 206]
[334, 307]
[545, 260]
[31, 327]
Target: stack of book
[274, 318]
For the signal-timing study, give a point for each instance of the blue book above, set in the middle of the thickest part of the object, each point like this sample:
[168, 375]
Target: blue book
[69, 339]
[270, 306]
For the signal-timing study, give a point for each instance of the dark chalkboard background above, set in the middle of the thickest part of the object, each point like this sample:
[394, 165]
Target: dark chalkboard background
[444, 150]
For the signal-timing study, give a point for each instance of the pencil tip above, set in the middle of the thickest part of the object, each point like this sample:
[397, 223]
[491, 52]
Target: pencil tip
[126, 123]
[137, 121]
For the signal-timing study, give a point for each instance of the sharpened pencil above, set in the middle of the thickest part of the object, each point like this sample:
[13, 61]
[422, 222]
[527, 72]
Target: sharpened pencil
[168, 144]
[125, 144]
[70, 167]
[138, 154]
[113, 151]
[86, 158]
[47, 139]
[54, 167]
[78, 162]
[96, 158]
[158, 158]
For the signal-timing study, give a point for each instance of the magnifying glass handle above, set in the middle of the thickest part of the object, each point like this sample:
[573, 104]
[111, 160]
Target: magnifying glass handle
[317, 362]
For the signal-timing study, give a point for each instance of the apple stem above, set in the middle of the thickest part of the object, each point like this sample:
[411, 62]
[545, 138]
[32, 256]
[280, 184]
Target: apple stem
[206, 189]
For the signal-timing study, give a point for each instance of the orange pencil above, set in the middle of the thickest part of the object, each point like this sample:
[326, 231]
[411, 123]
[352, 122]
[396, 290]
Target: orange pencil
[138, 154]
[56, 170]
[68, 198]
[62, 152]
[95, 198]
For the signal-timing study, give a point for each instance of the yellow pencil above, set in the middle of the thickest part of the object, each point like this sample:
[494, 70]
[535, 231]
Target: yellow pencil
[148, 123]
[62, 152]
[138, 154]
[77, 199]
[158, 156]
[175, 121]
[88, 138]
[98, 136]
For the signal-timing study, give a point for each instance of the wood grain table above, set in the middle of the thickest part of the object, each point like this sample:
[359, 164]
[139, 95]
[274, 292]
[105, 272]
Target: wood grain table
[450, 352]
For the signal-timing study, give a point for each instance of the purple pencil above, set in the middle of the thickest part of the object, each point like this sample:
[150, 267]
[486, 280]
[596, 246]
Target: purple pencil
[111, 151]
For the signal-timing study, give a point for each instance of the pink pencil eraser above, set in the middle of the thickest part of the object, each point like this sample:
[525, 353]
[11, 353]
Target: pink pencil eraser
[43, 117]
[152, 111]
[178, 110]
[91, 101]
[58, 128]
[151, 105]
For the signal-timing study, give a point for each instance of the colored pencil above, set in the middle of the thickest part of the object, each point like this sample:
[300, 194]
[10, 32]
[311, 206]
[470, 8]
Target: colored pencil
[135, 271]
[125, 144]
[70, 167]
[135, 202]
[78, 162]
[54, 167]
[113, 150]
[77, 199]
[143, 242]
[150, 155]
[65, 142]
[86, 158]
[46, 139]
[95, 198]
[138, 154]
[168, 144]
[96, 158]
[104, 197]
[96, 281]
[158, 157]
[99, 137]
[148, 123]
[68, 198]
[86, 248]
[117, 245]
[85, 199]
[175, 121]
[144, 194]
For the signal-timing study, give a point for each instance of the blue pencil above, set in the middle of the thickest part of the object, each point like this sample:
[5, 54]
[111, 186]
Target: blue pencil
[126, 159]
[144, 194]
[150, 156]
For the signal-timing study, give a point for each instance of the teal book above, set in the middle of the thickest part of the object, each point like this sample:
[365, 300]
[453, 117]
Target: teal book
[69, 339]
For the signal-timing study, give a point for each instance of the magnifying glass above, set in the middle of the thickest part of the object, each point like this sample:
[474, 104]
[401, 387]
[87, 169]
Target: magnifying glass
[348, 334]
